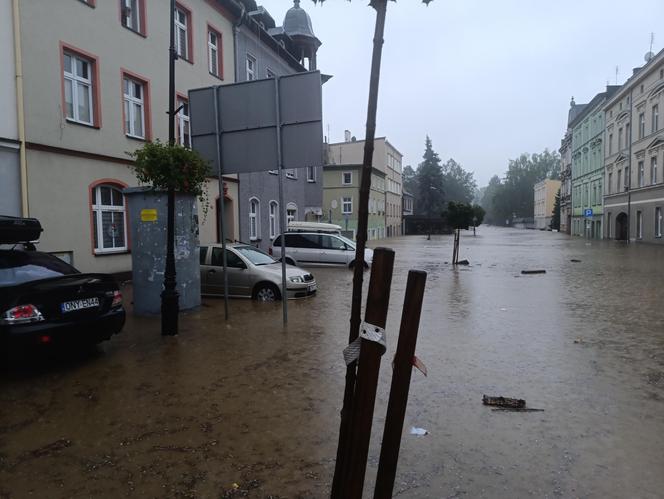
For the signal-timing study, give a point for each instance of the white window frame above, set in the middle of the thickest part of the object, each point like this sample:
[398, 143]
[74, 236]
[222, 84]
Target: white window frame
[311, 174]
[655, 118]
[98, 209]
[127, 21]
[274, 219]
[131, 102]
[76, 81]
[347, 205]
[658, 221]
[181, 33]
[213, 52]
[343, 178]
[291, 213]
[183, 123]
[254, 219]
[250, 66]
[642, 173]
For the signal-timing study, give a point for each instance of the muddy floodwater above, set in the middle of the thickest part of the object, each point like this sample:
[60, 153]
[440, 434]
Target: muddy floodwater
[248, 408]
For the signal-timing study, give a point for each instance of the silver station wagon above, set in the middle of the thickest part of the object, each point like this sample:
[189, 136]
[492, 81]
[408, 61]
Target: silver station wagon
[252, 273]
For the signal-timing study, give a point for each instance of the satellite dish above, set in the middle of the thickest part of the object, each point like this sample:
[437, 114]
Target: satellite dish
[648, 56]
[334, 204]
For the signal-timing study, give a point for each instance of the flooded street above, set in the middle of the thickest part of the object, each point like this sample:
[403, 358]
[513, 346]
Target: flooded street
[250, 409]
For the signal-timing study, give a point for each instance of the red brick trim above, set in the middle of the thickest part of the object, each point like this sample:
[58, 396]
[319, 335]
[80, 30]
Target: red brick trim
[96, 82]
[33, 146]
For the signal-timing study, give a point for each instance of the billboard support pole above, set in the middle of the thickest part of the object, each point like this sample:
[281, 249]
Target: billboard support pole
[221, 212]
[282, 207]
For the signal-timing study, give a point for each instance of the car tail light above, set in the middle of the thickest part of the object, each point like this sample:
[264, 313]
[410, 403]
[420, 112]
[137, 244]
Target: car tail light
[269, 250]
[117, 299]
[21, 314]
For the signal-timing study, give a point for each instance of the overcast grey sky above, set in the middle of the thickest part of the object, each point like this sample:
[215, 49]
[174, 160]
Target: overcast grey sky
[485, 79]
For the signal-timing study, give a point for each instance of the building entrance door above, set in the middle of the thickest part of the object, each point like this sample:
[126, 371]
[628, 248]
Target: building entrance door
[621, 227]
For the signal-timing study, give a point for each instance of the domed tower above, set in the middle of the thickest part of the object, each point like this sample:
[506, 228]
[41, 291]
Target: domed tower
[297, 25]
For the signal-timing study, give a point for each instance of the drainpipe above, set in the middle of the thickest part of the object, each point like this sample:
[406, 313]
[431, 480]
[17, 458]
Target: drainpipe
[18, 61]
[235, 48]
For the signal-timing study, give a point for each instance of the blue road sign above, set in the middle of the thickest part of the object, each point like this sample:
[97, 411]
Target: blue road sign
[588, 212]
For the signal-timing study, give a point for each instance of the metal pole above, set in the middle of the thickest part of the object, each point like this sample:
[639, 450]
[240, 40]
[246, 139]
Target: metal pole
[170, 302]
[361, 239]
[282, 206]
[221, 212]
[403, 368]
[367, 374]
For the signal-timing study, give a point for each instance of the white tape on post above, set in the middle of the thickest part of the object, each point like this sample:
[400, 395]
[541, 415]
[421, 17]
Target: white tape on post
[369, 332]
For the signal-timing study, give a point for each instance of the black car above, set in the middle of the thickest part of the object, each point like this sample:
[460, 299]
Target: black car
[45, 300]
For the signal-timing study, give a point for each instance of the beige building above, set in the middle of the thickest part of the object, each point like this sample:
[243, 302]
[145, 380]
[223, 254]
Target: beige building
[387, 159]
[545, 198]
[94, 89]
[634, 156]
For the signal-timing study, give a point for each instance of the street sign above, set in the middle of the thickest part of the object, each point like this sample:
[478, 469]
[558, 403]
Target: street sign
[248, 127]
[588, 212]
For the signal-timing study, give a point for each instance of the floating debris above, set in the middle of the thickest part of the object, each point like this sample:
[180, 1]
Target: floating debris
[418, 431]
[504, 402]
[538, 271]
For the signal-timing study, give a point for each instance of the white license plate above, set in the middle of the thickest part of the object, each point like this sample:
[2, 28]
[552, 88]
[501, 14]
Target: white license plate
[72, 306]
[311, 287]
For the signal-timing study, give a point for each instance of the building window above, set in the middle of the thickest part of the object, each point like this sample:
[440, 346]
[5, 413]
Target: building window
[215, 60]
[620, 139]
[346, 206]
[132, 15]
[79, 91]
[291, 212]
[653, 170]
[619, 183]
[658, 222]
[183, 135]
[251, 67]
[642, 125]
[183, 33]
[610, 143]
[609, 233]
[641, 174]
[108, 219]
[274, 219]
[254, 219]
[639, 225]
[311, 173]
[655, 118]
[346, 178]
[134, 107]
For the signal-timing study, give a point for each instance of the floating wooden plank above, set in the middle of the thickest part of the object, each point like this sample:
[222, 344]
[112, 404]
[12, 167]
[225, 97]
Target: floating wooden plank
[539, 271]
[504, 402]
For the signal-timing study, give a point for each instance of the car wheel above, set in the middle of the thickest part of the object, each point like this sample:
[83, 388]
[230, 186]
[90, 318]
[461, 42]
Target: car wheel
[290, 261]
[266, 293]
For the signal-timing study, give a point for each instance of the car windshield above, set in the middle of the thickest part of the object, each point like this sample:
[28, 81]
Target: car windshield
[349, 242]
[17, 267]
[254, 255]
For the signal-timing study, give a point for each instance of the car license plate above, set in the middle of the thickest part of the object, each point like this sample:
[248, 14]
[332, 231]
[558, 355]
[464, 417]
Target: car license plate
[72, 306]
[311, 287]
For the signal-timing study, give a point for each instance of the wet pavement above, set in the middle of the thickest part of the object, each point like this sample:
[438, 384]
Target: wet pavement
[246, 408]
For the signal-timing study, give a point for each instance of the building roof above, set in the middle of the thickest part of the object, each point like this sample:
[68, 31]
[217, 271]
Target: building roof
[636, 76]
[297, 23]
[594, 104]
[363, 140]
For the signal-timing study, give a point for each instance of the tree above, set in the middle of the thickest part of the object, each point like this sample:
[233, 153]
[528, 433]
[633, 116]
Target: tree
[429, 193]
[409, 179]
[555, 216]
[458, 183]
[459, 216]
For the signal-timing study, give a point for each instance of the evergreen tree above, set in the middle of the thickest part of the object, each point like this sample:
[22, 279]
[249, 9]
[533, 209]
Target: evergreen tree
[429, 193]
[555, 216]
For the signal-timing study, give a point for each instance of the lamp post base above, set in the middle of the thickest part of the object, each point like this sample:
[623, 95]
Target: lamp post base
[170, 305]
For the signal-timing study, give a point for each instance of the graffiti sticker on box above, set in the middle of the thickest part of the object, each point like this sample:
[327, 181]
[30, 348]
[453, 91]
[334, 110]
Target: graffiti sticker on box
[148, 215]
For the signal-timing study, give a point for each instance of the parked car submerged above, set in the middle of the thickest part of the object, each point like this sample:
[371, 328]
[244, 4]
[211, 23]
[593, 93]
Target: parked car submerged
[45, 300]
[252, 273]
[320, 245]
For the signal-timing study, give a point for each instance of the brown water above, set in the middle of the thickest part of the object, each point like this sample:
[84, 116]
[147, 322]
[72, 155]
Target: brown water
[250, 409]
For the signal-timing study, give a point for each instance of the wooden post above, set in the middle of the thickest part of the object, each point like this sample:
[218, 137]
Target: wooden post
[361, 239]
[403, 367]
[367, 375]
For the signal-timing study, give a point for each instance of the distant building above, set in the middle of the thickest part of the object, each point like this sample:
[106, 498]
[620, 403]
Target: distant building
[588, 166]
[264, 50]
[545, 196]
[566, 170]
[634, 155]
[386, 159]
[341, 197]
[407, 209]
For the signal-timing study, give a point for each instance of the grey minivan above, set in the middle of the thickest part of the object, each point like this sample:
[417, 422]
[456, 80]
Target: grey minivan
[252, 273]
[318, 248]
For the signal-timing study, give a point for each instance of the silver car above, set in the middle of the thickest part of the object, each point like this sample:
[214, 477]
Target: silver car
[316, 248]
[252, 273]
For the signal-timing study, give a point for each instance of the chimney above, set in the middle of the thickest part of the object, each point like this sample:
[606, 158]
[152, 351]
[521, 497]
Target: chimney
[635, 70]
[346, 135]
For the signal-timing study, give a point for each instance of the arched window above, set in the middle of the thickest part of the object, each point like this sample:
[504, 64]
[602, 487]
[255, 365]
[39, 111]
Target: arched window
[109, 229]
[254, 219]
[291, 212]
[274, 219]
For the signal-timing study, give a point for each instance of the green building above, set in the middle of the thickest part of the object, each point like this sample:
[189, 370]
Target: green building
[588, 166]
[341, 196]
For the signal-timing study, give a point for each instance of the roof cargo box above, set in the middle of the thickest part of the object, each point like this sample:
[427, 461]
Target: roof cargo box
[15, 230]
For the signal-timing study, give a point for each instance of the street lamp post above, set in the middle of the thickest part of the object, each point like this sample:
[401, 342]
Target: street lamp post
[169, 296]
